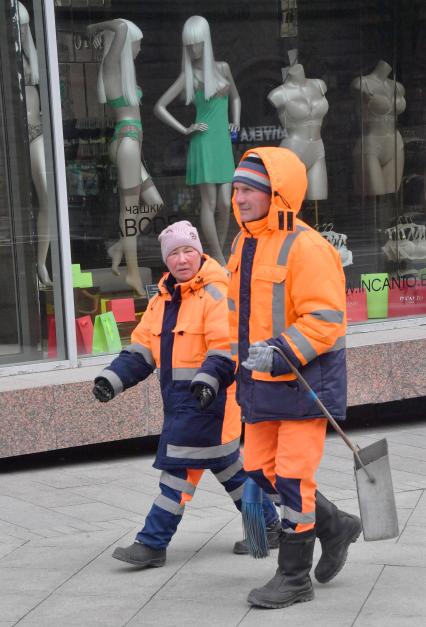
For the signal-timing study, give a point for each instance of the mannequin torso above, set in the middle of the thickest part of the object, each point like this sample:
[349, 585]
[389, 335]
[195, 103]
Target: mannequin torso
[31, 94]
[301, 106]
[37, 157]
[379, 153]
[382, 99]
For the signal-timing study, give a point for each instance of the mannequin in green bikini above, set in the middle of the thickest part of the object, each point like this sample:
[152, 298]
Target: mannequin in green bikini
[210, 165]
[35, 133]
[117, 87]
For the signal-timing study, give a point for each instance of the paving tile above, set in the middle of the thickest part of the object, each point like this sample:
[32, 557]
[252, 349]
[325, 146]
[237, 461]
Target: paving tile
[408, 499]
[9, 544]
[75, 477]
[417, 440]
[118, 496]
[408, 451]
[16, 605]
[335, 604]
[59, 526]
[64, 553]
[407, 464]
[106, 576]
[224, 612]
[403, 480]
[40, 519]
[418, 516]
[87, 611]
[398, 598]
[16, 531]
[92, 512]
[38, 493]
[30, 580]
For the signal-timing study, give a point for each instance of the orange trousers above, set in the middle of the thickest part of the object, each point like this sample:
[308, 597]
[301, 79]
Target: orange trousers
[282, 456]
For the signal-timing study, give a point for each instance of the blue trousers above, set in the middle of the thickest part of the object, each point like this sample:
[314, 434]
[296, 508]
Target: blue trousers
[178, 487]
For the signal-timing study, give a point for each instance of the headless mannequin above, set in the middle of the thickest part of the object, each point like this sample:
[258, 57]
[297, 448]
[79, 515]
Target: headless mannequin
[379, 153]
[301, 105]
[215, 197]
[37, 160]
[134, 181]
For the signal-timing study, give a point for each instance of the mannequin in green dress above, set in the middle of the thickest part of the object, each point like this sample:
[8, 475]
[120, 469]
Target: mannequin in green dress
[209, 85]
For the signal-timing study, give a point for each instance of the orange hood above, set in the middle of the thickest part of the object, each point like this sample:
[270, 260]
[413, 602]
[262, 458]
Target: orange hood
[288, 182]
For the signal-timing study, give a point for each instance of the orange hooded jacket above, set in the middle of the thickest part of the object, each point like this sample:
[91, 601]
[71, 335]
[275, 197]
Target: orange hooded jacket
[287, 287]
[184, 335]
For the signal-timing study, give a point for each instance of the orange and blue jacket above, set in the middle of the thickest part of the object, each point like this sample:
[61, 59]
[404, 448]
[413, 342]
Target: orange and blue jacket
[184, 334]
[287, 287]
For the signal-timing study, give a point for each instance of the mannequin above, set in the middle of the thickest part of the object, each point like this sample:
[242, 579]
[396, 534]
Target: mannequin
[210, 165]
[35, 133]
[117, 87]
[301, 105]
[379, 153]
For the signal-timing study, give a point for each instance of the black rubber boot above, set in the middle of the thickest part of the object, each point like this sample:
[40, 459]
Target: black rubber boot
[291, 583]
[336, 530]
[273, 534]
[141, 555]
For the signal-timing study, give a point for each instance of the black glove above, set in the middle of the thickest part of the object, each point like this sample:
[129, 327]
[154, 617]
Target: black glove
[204, 394]
[103, 390]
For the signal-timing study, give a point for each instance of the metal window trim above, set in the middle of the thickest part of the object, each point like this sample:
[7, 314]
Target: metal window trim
[60, 180]
[385, 325]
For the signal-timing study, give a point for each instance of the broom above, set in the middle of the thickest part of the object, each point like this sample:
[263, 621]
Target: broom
[254, 525]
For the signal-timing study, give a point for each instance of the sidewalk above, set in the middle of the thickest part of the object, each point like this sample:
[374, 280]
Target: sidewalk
[59, 526]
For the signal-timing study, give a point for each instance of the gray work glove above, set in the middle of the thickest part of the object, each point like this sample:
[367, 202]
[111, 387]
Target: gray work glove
[260, 357]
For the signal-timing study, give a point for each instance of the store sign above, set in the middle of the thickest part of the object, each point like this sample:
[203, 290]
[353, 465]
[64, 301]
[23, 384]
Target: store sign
[250, 134]
[409, 301]
[380, 296]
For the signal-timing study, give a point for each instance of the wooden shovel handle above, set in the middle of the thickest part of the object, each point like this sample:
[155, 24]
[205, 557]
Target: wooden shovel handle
[323, 408]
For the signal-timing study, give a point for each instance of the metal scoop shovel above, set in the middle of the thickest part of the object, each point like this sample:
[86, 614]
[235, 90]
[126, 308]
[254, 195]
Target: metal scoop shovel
[372, 474]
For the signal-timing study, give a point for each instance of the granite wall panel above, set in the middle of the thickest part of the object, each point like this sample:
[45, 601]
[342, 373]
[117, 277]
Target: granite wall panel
[62, 416]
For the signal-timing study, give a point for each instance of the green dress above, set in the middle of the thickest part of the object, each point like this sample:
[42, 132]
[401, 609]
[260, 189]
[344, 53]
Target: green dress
[210, 158]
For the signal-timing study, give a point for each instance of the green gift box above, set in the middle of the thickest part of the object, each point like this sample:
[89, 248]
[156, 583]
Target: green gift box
[376, 286]
[79, 278]
[106, 338]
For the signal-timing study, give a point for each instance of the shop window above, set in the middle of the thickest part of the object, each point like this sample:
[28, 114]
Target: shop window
[337, 82]
[30, 286]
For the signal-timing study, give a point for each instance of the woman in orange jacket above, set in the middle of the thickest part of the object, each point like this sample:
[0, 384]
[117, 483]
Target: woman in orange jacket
[184, 334]
[287, 289]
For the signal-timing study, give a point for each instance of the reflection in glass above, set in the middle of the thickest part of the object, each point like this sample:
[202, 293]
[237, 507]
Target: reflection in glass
[35, 132]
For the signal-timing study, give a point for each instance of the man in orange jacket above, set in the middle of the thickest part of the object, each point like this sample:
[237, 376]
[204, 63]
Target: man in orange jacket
[287, 289]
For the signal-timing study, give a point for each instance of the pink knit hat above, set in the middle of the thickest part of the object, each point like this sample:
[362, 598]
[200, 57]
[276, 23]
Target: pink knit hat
[179, 234]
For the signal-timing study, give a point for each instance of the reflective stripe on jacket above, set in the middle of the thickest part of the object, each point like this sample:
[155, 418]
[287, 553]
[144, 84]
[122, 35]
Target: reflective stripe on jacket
[287, 287]
[184, 333]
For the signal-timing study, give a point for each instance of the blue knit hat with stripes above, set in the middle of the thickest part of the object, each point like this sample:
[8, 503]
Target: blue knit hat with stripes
[251, 171]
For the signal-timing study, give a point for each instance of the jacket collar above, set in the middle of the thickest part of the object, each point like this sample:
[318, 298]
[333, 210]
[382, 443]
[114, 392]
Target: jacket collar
[255, 228]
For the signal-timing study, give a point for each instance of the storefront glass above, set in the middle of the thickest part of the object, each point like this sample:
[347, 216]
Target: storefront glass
[339, 82]
[31, 326]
